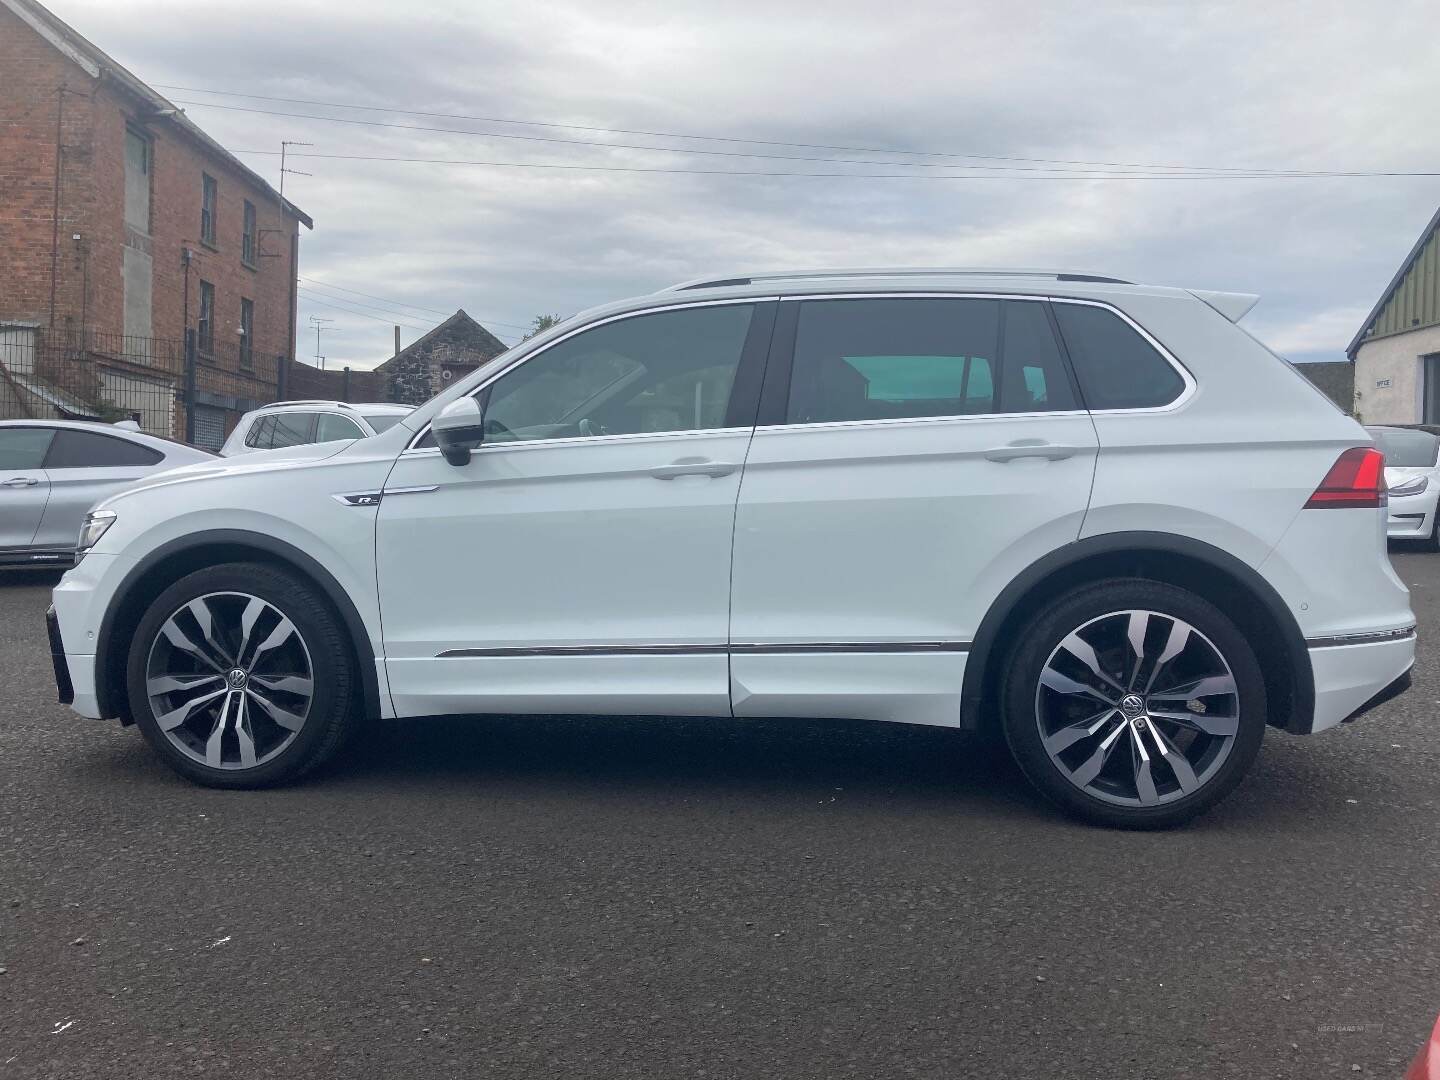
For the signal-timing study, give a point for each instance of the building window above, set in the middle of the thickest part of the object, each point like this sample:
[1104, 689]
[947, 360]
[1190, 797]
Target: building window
[247, 331]
[205, 328]
[247, 237]
[208, 198]
[137, 181]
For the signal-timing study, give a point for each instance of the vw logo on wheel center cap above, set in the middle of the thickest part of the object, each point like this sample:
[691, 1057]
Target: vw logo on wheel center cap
[237, 678]
[1132, 705]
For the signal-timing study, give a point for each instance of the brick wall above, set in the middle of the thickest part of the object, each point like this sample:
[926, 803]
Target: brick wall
[32, 72]
[89, 292]
[304, 382]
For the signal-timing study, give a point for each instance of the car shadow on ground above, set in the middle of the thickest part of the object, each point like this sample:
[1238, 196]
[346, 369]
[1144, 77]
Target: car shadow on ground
[663, 753]
[664, 761]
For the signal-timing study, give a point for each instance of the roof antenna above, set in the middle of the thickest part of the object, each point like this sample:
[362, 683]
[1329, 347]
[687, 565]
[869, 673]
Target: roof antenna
[285, 144]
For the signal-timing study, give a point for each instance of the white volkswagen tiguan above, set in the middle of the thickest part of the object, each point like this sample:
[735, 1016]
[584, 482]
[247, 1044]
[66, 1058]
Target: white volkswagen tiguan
[1094, 516]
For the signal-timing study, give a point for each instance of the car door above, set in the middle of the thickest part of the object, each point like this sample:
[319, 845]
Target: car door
[84, 467]
[24, 484]
[913, 454]
[581, 560]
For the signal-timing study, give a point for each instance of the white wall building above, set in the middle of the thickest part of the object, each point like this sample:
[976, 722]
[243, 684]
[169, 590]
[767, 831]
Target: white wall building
[1397, 350]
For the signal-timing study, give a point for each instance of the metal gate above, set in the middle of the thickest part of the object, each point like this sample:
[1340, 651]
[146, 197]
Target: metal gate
[209, 427]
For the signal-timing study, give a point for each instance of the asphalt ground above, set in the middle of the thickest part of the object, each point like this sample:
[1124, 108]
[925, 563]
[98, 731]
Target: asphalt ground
[551, 897]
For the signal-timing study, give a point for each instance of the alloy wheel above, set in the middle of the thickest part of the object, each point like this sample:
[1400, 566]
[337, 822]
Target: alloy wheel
[1137, 708]
[229, 680]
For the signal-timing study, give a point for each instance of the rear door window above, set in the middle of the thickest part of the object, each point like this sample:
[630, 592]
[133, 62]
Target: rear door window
[1116, 367]
[293, 429]
[73, 449]
[332, 427]
[887, 359]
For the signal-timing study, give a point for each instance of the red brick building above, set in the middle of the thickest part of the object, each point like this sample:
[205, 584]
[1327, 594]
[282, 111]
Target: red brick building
[122, 225]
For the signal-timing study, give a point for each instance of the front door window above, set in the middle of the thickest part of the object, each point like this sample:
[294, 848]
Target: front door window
[668, 371]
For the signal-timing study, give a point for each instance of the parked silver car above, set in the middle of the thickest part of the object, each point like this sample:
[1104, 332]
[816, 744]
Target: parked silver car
[53, 471]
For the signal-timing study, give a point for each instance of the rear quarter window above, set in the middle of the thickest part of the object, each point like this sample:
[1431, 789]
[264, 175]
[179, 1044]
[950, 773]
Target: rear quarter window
[90, 450]
[1115, 366]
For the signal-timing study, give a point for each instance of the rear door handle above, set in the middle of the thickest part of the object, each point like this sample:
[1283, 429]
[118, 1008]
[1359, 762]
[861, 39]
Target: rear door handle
[1030, 448]
[693, 467]
[21, 481]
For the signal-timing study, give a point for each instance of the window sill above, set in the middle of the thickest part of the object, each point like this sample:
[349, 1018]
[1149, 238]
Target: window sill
[210, 245]
[249, 265]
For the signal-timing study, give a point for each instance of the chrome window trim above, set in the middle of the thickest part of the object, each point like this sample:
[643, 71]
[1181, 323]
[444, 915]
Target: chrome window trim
[1189, 391]
[413, 447]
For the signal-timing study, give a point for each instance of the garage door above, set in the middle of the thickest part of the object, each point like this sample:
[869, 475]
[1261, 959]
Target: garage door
[209, 427]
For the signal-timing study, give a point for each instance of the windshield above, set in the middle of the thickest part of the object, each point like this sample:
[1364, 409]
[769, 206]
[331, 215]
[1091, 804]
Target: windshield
[384, 421]
[1408, 449]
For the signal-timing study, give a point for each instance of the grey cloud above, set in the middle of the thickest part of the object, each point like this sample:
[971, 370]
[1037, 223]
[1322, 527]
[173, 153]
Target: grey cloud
[1268, 86]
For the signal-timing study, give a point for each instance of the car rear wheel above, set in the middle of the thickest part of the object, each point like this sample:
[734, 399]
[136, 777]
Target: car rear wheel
[1134, 704]
[240, 676]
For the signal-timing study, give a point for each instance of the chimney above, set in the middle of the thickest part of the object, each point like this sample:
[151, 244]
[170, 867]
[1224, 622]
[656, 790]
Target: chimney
[397, 341]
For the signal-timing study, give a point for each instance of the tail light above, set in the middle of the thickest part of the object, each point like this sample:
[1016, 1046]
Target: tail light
[1357, 479]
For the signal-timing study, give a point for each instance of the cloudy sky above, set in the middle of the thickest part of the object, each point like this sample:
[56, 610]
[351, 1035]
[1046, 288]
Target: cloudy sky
[977, 105]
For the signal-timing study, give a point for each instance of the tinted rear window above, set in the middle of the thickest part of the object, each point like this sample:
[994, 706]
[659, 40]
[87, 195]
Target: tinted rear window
[91, 450]
[1408, 449]
[1116, 367]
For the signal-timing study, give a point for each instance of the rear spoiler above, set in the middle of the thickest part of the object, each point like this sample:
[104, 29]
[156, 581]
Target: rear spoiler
[1233, 305]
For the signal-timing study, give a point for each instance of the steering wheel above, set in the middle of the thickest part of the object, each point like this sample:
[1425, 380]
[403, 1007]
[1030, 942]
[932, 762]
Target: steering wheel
[588, 428]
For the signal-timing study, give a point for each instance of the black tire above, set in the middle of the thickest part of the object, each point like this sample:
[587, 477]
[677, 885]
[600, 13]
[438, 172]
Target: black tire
[333, 709]
[1020, 690]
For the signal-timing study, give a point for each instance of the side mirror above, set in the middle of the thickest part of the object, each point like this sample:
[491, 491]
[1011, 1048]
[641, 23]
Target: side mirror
[458, 428]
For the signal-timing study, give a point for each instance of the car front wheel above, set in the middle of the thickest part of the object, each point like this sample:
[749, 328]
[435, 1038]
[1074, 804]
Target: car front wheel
[240, 676]
[1134, 703]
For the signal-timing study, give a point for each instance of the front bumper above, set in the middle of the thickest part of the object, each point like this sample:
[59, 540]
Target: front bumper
[1351, 679]
[1410, 517]
[79, 605]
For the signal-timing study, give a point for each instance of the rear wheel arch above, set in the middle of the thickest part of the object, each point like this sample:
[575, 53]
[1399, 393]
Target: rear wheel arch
[170, 562]
[1237, 589]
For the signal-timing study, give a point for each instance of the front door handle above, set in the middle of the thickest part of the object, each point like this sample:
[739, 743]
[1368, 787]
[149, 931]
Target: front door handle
[693, 467]
[1030, 448]
[21, 481]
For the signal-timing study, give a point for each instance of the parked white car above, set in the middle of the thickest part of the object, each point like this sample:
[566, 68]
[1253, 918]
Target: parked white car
[1412, 473]
[1094, 515]
[298, 423]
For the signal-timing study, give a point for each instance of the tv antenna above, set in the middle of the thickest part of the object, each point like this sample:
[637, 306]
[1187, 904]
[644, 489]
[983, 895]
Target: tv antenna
[285, 145]
[319, 324]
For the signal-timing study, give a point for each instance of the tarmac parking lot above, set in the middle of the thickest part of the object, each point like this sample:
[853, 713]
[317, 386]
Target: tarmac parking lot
[548, 897]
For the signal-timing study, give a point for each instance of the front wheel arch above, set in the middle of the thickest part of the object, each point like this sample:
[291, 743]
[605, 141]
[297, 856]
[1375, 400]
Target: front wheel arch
[170, 562]
[1247, 598]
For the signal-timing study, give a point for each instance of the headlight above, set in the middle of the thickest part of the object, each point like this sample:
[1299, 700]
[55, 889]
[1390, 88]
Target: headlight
[1411, 487]
[92, 529]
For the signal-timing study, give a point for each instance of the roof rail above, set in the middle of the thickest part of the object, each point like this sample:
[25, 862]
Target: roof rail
[317, 401]
[889, 272]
